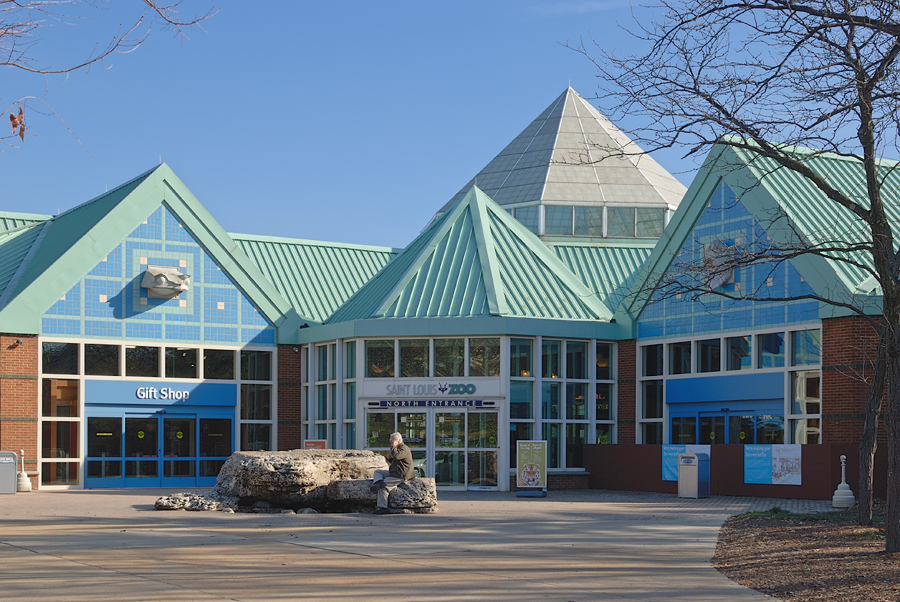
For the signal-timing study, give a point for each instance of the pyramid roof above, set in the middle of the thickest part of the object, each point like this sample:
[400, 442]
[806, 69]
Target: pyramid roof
[572, 154]
[474, 261]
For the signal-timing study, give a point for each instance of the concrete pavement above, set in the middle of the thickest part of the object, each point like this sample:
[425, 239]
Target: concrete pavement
[570, 546]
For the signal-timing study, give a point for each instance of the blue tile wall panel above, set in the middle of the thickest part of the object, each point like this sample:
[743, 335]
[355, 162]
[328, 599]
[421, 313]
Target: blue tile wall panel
[109, 303]
[726, 218]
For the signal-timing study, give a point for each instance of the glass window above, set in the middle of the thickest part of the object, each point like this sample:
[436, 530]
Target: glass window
[521, 393]
[684, 430]
[518, 431]
[551, 436]
[576, 401]
[142, 361]
[414, 358]
[350, 401]
[602, 403]
[449, 357]
[256, 437]
[550, 400]
[806, 393]
[528, 217]
[806, 430]
[379, 426]
[60, 358]
[550, 359]
[652, 398]
[650, 222]
[520, 357]
[484, 357]
[576, 437]
[588, 221]
[769, 430]
[321, 362]
[604, 434]
[60, 398]
[652, 433]
[604, 361]
[181, 362]
[60, 439]
[680, 358]
[557, 220]
[576, 359]
[620, 222]
[652, 364]
[806, 346]
[218, 364]
[710, 353]
[350, 360]
[740, 429]
[256, 402]
[104, 437]
[771, 350]
[101, 360]
[380, 359]
[215, 437]
[256, 365]
[740, 352]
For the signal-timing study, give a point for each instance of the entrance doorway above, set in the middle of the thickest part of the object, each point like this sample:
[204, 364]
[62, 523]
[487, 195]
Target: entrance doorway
[459, 448]
[156, 450]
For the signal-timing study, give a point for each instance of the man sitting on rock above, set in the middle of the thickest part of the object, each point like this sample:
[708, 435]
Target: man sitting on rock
[401, 469]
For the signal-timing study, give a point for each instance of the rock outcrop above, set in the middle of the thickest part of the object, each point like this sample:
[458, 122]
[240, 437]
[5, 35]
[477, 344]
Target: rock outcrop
[305, 481]
[293, 479]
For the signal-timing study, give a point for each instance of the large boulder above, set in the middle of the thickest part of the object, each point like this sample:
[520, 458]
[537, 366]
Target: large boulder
[418, 496]
[293, 479]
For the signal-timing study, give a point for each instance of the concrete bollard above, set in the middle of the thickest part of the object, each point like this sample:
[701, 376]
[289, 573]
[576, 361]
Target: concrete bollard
[843, 497]
[23, 483]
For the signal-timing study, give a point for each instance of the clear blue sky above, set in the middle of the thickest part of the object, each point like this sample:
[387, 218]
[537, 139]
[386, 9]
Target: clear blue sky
[340, 121]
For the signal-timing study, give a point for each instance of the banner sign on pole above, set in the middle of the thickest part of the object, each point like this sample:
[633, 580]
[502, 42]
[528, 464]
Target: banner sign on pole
[772, 464]
[531, 465]
[670, 455]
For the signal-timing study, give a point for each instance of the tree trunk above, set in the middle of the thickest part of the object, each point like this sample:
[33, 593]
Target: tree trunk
[869, 442]
[892, 422]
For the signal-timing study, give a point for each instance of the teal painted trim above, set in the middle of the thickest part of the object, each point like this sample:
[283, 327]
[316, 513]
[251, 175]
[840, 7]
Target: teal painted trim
[490, 268]
[34, 217]
[449, 327]
[424, 255]
[313, 243]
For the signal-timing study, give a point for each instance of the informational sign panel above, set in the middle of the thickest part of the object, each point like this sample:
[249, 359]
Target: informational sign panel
[531, 464]
[315, 444]
[670, 455]
[772, 464]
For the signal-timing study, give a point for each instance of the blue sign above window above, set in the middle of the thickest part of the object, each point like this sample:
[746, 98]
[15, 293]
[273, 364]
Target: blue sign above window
[159, 393]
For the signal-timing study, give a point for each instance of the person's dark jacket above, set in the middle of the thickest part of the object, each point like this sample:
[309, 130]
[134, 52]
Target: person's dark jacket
[401, 463]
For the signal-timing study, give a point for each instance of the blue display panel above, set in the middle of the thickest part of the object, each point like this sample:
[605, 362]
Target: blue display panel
[159, 393]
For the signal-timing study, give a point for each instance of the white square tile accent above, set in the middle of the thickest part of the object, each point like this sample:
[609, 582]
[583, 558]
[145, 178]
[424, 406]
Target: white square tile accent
[63, 298]
[182, 263]
[182, 303]
[104, 259]
[143, 261]
[220, 305]
[102, 298]
[144, 222]
[143, 300]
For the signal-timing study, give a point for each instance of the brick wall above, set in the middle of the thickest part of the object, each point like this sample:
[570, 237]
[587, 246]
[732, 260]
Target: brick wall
[18, 398]
[560, 481]
[625, 413]
[289, 396]
[848, 353]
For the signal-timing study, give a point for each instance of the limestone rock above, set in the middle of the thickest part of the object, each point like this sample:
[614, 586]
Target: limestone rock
[293, 479]
[196, 502]
[418, 494]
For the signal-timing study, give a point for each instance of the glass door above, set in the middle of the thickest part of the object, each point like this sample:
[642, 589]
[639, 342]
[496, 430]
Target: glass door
[141, 451]
[104, 452]
[179, 443]
[712, 429]
[482, 450]
[449, 449]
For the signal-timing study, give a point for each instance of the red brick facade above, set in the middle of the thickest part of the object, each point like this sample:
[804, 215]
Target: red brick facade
[625, 413]
[19, 418]
[848, 353]
[289, 397]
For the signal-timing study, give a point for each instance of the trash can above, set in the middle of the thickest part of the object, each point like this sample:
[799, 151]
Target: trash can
[8, 464]
[693, 475]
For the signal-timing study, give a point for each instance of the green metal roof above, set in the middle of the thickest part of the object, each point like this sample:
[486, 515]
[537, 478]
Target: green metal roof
[10, 221]
[474, 261]
[606, 270]
[315, 277]
[62, 249]
[768, 191]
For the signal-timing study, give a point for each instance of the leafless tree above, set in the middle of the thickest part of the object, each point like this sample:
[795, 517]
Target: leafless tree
[767, 76]
[25, 23]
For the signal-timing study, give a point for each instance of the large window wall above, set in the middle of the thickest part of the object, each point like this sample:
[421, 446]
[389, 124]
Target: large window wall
[793, 353]
[66, 364]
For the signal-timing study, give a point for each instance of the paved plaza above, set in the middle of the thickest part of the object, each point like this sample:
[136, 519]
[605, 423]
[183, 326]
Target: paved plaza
[570, 546]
